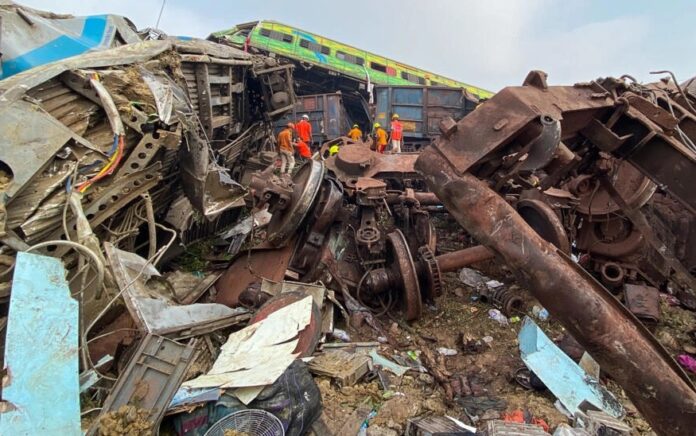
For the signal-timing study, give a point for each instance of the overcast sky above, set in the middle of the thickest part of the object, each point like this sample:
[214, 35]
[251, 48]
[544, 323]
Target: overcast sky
[486, 43]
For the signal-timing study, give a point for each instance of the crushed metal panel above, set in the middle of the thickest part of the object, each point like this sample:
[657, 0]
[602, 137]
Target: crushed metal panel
[157, 313]
[151, 378]
[30, 139]
[41, 352]
[13, 88]
[32, 38]
[564, 378]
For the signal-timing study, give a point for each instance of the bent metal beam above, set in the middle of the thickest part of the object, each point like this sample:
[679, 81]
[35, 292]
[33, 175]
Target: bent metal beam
[614, 337]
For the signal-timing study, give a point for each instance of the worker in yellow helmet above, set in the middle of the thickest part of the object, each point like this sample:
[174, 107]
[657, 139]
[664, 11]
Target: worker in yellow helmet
[334, 149]
[355, 133]
[380, 138]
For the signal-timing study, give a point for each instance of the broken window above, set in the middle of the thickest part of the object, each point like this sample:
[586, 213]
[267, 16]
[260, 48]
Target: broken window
[350, 58]
[309, 45]
[378, 67]
[412, 78]
[273, 34]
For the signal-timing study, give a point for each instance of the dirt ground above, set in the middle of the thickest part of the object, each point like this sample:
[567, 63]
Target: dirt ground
[490, 372]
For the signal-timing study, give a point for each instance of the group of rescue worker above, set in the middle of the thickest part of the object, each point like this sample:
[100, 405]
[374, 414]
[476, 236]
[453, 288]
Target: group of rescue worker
[287, 143]
[380, 137]
[395, 136]
[298, 136]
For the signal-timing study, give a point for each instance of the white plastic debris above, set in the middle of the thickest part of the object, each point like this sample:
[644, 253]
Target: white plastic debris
[540, 313]
[341, 335]
[497, 316]
[472, 278]
[447, 351]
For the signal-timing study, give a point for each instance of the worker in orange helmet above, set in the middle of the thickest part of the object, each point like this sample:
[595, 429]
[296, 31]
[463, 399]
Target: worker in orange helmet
[396, 133]
[304, 130]
[285, 149]
[355, 133]
[380, 138]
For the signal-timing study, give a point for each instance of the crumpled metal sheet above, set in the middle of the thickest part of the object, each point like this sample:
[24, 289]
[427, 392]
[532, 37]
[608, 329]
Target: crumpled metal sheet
[31, 38]
[41, 352]
[14, 87]
[153, 309]
[35, 138]
[26, 202]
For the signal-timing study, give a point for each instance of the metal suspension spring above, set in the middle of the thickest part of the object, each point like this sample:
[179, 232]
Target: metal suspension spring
[506, 299]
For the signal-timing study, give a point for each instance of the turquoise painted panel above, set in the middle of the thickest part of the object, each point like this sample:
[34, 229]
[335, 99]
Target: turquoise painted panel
[41, 351]
[563, 377]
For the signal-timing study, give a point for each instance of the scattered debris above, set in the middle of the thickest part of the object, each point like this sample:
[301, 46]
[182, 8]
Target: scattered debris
[503, 428]
[148, 384]
[345, 368]
[257, 355]
[437, 425]
[209, 286]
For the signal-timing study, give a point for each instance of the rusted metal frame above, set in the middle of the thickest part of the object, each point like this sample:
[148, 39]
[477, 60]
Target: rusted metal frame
[613, 336]
[642, 224]
[509, 115]
[273, 69]
[662, 158]
[668, 166]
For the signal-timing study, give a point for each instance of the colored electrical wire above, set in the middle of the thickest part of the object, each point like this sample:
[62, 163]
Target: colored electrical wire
[110, 166]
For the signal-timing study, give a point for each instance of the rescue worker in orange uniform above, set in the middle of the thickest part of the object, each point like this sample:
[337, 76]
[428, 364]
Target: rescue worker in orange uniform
[304, 130]
[303, 149]
[285, 149]
[355, 133]
[396, 132]
[380, 138]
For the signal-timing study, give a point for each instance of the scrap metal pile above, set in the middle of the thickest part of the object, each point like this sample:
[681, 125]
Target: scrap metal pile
[116, 159]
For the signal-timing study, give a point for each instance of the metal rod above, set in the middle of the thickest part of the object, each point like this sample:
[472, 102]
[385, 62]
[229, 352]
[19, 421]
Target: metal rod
[461, 258]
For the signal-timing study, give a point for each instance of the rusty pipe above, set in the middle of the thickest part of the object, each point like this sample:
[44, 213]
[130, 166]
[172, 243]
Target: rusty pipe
[382, 279]
[461, 258]
[613, 336]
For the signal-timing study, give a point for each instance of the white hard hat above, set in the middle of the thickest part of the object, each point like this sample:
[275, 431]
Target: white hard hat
[305, 116]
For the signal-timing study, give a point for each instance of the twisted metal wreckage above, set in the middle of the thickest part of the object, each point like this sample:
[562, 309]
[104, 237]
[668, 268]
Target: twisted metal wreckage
[132, 148]
[531, 173]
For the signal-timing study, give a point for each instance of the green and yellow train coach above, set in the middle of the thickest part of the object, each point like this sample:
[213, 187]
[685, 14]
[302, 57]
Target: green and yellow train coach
[308, 48]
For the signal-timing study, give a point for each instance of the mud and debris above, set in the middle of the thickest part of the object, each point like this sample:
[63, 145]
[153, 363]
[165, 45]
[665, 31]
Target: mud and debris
[363, 292]
[127, 420]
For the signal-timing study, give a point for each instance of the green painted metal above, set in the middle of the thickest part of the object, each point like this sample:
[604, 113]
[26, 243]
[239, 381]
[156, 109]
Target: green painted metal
[303, 46]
